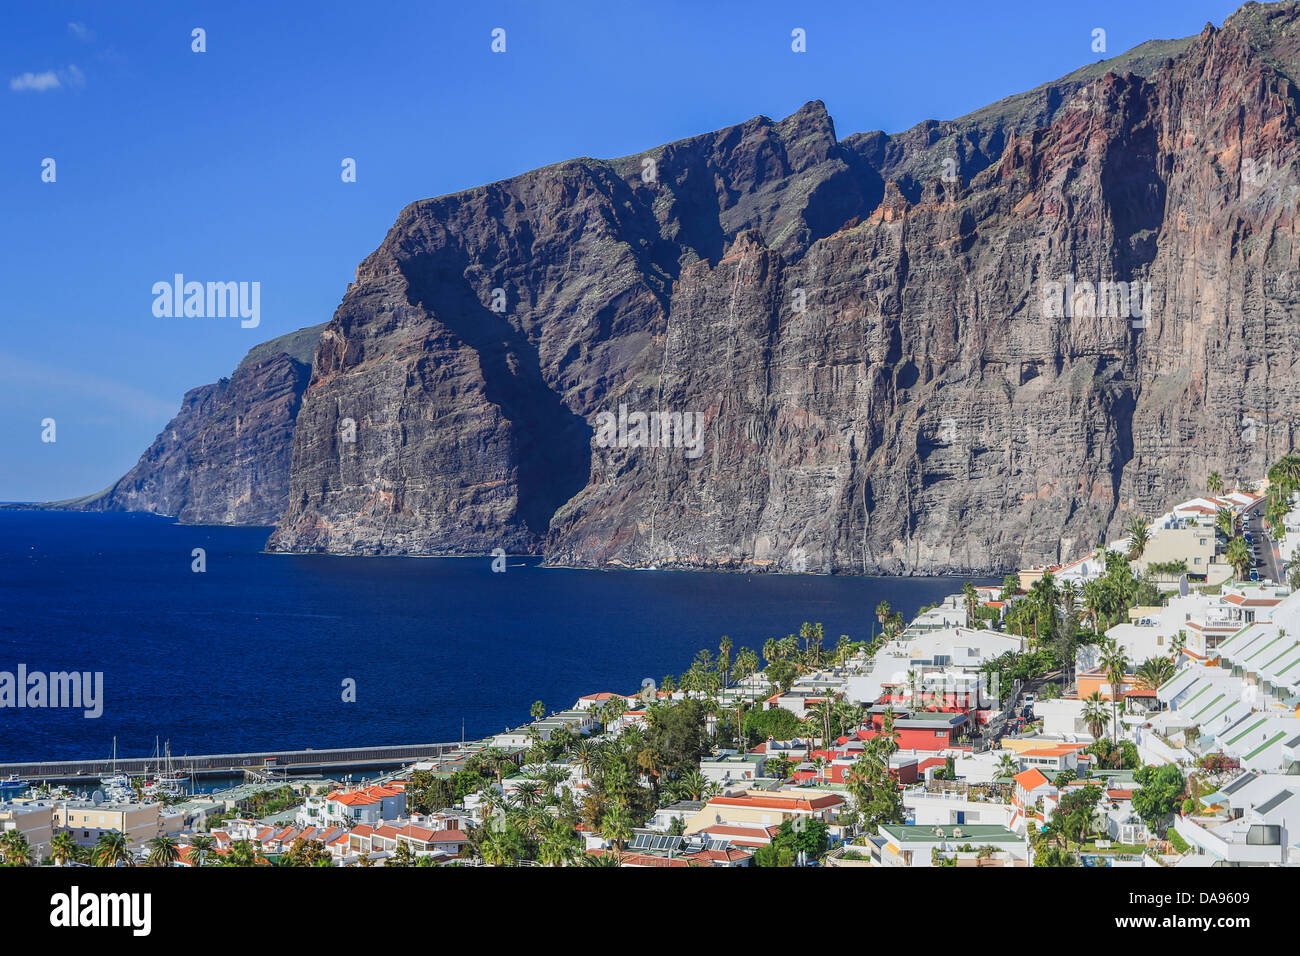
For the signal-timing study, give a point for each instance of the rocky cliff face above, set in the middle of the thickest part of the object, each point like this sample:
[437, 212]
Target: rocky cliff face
[224, 458]
[972, 345]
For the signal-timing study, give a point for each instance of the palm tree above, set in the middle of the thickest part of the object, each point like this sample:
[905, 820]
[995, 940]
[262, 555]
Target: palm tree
[820, 715]
[200, 845]
[111, 850]
[603, 859]
[1069, 597]
[528, 793]
[63, 848]
[15, 849]
[1094, 601]
[747, 663]
[162, 851]
[1095, 715]
[559, 846]
[972, 601]
[496, 760]
[1138, 536]
[538, 710]
[1154, 671]
[693, 784]
[1223, 521]
[584, 755]
[1115, 662]
[724, 660]
[1042, 600]
[1286, 473]
[243, 853]
[402, 857]
[616, 826]
[1238, 555]
[1214, 483]
[1007, 766]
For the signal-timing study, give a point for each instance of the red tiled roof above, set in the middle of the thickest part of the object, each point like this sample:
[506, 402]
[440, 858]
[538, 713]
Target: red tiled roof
[777, 801]
[1030, 779]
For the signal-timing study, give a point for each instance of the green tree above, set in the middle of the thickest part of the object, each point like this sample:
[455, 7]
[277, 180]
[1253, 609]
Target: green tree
[162, 851]
[1286, 473]
[538, 710]
[873, 787]
[1114, 663]
[200, 845]
[1238, 555]
[15, 849]
[807, 836]
[971, 598]
[111, 850]
[1163, 788]
[243, 853]
[1154, 671]
[1095, 714]
[1138, 537]
[63, 848]
[1007, 766]
[560, 845]
[616, 827]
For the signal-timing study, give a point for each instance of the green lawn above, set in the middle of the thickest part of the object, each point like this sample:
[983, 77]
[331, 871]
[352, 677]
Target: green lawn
[1124, 848]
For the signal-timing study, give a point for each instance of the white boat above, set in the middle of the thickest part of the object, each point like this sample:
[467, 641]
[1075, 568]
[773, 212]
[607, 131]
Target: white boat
[168, 783]
[115, 781]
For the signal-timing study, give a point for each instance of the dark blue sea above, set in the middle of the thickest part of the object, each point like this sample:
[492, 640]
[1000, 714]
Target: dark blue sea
[251, 654]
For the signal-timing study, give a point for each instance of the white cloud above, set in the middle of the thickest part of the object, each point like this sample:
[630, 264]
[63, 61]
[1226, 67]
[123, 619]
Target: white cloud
[81, 32]
[72, 77]
[35, 82]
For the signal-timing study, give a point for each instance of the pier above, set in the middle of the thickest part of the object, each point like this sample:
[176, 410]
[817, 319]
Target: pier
[303, 761]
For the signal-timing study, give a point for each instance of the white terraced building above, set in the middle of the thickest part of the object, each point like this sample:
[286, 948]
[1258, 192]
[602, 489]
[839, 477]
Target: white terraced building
[1244, 701]
[1252, 821]
[954, 653]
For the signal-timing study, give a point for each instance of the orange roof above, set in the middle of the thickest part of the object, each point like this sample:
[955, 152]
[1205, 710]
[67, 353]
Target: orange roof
[1058, 750]
[777, 801]
[368, 795]
[1030, 779]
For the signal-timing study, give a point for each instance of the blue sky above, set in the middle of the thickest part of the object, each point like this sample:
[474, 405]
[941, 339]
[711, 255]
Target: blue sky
[225, 165]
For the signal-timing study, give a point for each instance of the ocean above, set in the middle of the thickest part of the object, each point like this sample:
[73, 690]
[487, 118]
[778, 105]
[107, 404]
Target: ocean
[252, 653]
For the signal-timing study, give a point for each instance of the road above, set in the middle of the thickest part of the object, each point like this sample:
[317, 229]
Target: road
[1271, 569]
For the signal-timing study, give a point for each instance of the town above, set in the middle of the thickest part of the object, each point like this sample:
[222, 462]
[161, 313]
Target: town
[1138, 705]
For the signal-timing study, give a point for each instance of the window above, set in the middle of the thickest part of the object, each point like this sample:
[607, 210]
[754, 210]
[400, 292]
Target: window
[1264, 835]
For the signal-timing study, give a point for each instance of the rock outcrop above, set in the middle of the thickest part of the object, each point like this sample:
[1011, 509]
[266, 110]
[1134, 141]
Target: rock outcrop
[972, 345]
[224, 458]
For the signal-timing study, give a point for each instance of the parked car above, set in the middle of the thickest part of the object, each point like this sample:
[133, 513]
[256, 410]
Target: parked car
[1254, 575]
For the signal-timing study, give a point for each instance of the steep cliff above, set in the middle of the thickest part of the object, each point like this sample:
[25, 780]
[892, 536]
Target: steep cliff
[865, 327]
[224, 458]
